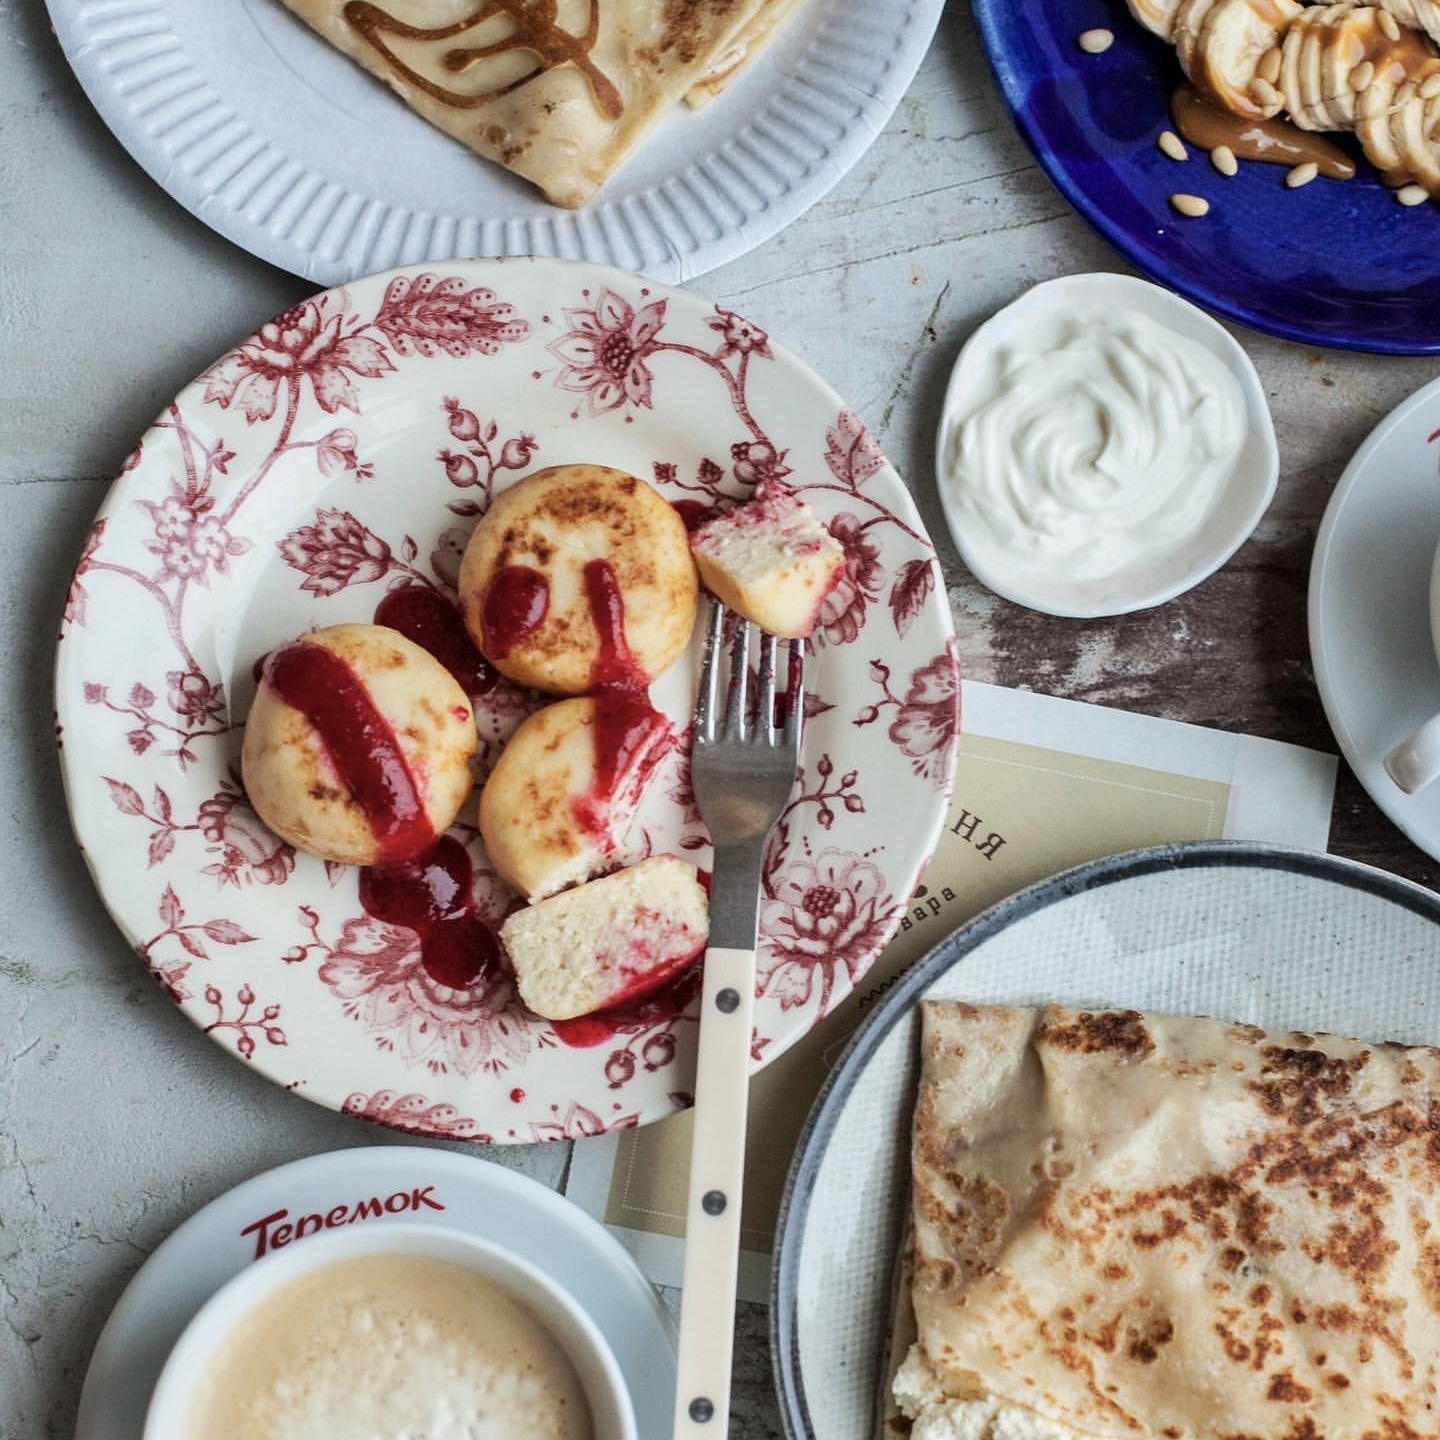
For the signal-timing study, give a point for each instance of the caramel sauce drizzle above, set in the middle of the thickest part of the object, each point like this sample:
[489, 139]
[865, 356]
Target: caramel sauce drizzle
[1275, 141]
[1408, 58]
[535, 30]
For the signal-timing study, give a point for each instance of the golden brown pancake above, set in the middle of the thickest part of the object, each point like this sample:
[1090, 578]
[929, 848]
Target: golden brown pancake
[579, 576]
[556, 807]
[1133, 1225]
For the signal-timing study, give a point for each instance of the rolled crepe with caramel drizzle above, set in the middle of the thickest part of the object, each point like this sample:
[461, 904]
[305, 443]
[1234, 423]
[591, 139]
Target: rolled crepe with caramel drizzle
[559, 92]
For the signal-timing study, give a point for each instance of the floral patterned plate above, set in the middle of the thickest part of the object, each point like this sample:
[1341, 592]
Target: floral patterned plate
[341, 454]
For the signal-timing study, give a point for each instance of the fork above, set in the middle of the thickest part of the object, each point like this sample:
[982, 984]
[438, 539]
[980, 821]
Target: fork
[742, 769]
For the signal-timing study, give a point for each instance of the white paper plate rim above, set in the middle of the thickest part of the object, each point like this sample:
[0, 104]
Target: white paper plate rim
[246, 119]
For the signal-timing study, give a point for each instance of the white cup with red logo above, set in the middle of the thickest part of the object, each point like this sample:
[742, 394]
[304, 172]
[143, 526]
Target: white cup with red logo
[1415, 762]
[372, 1353]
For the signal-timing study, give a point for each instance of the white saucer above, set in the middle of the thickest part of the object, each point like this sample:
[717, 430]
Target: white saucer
[1369, 605]
[476, 1195]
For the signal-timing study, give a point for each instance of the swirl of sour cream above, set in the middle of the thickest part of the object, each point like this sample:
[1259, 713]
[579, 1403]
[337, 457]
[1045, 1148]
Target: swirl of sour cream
[1099, 438]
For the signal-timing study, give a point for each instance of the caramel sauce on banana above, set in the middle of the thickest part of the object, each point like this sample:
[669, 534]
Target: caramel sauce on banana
[1411, 57]
[533, 30]
[1274, 141]
[1274, 14]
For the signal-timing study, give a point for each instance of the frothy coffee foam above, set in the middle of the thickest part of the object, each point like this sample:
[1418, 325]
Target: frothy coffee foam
[390, 1347]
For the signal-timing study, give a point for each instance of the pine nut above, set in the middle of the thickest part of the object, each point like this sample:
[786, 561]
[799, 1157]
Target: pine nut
[1362, 75]
[1222, 157]
[1430, 87]
[1173, 145]
[1192, 205]
[1265, 92]
[1269, 67]
[1301, 174]
[1096, 42]
[1389, 25]
[1412, 195]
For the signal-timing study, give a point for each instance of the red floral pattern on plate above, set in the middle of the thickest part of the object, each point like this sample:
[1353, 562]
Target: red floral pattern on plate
[247, 515]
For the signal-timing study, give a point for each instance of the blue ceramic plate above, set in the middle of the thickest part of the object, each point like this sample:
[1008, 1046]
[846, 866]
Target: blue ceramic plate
[1334, 263]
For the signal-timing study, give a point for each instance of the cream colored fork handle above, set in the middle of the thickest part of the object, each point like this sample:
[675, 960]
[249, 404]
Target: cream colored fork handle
[712, 1208]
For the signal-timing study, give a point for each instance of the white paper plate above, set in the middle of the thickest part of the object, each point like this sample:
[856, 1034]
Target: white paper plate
[283, 145]
[1369, 605]
[468, 1194]
[1280, 938]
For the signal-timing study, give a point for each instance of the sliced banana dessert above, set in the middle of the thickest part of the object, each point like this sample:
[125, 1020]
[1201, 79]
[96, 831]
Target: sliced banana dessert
[1390, 111]
[1157, 16]
[1223, 47]
[1417, 14]
[1413, 124]
[1325, 56]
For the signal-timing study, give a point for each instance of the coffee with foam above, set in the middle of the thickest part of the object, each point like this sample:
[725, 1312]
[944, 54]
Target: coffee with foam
[384, 1346]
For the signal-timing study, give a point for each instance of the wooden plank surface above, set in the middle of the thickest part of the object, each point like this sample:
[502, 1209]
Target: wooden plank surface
[117, 1118]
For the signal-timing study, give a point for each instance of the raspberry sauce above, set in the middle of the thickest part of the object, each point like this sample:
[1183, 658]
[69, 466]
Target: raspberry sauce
[515, 605]
[693, 513]
[426, 617]
[629, 736]
[615, 665]
[420, 881]
[433, 895]
[360, 742]
[658, 997]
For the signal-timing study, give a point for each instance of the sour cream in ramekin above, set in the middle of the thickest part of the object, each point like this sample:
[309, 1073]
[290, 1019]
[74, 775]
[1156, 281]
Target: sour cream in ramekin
[1104, 446]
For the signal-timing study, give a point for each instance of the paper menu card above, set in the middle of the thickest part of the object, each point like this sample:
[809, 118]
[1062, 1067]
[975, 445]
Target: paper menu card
[1041, 784]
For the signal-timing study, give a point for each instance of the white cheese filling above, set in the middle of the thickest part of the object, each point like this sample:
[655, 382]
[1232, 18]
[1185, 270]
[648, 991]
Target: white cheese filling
[934, 1415]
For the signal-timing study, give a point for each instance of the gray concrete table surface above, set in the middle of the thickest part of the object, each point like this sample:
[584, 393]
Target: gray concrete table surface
[118, 1118]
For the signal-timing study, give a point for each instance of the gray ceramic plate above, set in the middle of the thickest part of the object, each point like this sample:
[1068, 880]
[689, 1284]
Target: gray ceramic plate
[1280, 938]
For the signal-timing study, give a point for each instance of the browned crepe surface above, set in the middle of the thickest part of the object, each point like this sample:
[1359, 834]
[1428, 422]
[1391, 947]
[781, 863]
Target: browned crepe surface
[558, 91]
[1139, 1225]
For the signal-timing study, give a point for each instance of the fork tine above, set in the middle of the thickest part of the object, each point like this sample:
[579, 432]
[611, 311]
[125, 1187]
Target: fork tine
[795, 694]
[737, 701]
[765, 702]
[708, 698]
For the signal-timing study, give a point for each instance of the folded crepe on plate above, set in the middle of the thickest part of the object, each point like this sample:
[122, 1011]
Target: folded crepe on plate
[558, 91]
[1133, 1225]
